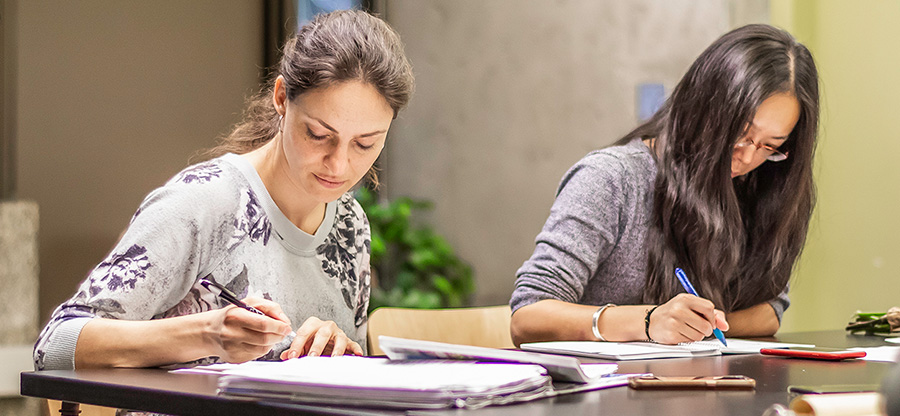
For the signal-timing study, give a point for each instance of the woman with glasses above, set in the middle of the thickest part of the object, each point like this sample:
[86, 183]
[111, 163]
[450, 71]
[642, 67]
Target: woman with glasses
[717, 183]
[269, 219]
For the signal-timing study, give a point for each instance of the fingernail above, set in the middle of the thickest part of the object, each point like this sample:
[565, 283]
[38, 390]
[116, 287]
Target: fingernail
[313, 354]
[293, 354]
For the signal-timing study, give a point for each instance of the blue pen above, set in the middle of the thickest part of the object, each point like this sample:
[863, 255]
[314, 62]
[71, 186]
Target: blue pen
[690, 289]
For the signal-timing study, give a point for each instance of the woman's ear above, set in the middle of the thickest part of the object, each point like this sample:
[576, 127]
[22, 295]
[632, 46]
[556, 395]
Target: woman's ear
[279, 95]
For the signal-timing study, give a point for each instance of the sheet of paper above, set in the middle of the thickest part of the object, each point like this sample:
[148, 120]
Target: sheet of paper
[888, 353]
[745, 346]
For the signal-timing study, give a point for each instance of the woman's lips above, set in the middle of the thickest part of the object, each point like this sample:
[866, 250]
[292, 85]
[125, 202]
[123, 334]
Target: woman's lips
[329, 183]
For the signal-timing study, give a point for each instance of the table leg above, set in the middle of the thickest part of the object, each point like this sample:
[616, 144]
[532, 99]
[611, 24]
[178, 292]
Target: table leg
[69, 409]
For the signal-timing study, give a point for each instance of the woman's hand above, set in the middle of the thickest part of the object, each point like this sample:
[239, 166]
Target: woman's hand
[685, 318]
[316, 337]
[241, 335]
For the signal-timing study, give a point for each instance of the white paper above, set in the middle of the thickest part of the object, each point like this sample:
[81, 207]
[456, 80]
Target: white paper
[746, 346]
[886, 353]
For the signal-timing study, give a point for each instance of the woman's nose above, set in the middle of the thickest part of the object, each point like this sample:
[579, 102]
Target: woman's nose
[746, 154]
[337, 159]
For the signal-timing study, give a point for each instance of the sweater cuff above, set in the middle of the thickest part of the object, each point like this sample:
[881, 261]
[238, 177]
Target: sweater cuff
[60, 348]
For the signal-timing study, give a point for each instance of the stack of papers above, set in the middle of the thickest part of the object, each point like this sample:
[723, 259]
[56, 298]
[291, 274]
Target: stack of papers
[418, 375]
[378, 382]
[647, 350]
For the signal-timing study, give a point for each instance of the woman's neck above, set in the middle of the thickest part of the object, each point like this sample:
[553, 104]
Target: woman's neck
[270, 163]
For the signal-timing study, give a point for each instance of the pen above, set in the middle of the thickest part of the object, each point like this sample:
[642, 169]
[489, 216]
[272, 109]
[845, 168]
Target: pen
[690, 289]
[224, 293]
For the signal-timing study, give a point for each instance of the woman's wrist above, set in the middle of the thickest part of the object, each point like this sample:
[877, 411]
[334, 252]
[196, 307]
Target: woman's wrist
[647, 323]
[595, 321]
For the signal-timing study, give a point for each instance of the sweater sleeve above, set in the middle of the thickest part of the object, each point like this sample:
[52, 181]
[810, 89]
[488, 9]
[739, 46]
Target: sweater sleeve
[167, 245]
[581, 231]
[781, 303]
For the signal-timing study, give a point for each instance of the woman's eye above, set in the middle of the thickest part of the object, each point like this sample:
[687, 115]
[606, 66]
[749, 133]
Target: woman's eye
[364, 147]
[314, 137]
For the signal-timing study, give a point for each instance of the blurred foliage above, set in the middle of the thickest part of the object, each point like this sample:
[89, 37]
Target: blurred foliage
[413, 266]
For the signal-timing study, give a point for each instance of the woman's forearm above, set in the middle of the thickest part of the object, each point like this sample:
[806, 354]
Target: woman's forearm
[121, 343]
[554, 320]
[756, 321]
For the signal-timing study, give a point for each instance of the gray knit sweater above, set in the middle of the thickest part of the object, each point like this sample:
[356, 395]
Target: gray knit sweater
[592, 249]
[216, 220]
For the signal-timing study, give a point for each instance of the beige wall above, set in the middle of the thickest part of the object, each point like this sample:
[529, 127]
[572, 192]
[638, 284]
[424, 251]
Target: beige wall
[852, 257]
[113, 98]
[511, 94]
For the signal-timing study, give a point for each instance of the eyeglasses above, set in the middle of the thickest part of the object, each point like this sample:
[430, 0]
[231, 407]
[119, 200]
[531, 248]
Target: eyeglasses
[772, 154]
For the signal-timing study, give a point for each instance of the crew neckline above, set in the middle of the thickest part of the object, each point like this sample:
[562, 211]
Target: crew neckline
[288, 234]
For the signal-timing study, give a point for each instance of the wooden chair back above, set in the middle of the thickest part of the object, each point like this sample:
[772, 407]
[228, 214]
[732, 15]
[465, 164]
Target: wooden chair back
[482, 326]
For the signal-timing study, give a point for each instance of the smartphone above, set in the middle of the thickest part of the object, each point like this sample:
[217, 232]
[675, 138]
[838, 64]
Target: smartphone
[817, 353]
[729, 382]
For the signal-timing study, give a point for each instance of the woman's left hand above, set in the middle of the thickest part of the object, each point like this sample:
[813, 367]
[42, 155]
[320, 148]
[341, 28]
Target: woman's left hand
[318, 337]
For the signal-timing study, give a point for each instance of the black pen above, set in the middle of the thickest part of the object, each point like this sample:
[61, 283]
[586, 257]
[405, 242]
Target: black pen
[230, 297]
[226, 294]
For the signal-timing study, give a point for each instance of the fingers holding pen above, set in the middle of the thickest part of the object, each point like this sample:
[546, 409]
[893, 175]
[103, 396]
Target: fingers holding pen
[685, 318]
[239, 335]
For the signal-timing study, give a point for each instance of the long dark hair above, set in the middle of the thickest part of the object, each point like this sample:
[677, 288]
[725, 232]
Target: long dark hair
[345, 45]
[737, 238]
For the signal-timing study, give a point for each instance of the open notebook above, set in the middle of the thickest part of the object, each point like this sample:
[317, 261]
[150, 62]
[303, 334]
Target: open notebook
[565, 369]
[647, 350]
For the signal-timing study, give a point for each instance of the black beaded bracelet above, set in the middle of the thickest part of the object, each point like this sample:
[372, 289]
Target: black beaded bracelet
[647, 323]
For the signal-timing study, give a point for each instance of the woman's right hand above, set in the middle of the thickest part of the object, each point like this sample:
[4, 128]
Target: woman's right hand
[239, 335]
[685, 318]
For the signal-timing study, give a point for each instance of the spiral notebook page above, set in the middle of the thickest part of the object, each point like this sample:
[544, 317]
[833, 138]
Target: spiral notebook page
[649, 350]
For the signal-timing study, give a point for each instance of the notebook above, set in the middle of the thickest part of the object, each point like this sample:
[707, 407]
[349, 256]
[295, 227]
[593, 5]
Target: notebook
[646, 350]
[560, 368]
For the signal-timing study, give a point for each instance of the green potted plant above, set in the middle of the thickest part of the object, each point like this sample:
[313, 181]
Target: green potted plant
[412, 265]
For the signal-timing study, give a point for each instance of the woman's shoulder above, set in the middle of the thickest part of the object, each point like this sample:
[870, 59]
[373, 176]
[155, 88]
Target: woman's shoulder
[628, 163]
[631, 155]
[210, 174]
[211, 185]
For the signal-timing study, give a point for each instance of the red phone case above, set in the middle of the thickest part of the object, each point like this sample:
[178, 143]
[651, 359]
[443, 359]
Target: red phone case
[815, 355]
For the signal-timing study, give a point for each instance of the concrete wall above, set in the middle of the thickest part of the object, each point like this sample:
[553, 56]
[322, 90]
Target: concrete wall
[510, 94]
[851, 258]
[113, 98]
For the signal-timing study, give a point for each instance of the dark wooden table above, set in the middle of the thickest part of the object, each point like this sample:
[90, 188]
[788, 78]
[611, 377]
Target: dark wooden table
[192, 394]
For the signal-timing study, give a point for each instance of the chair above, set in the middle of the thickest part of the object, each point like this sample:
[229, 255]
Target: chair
[483, 326]
[86, 409]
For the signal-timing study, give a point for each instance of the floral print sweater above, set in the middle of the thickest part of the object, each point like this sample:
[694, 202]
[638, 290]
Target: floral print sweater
[215, 220]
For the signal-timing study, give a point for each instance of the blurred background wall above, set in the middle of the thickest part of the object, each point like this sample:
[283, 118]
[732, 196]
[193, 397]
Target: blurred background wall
[852, 257]
[114, 97]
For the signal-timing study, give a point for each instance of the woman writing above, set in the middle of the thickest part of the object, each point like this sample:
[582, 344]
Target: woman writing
[271, 217]
[718, 183]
